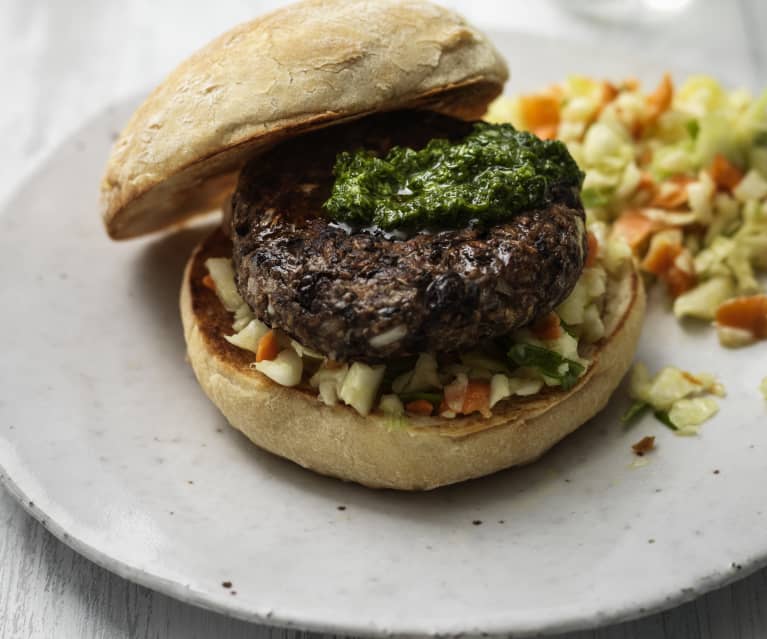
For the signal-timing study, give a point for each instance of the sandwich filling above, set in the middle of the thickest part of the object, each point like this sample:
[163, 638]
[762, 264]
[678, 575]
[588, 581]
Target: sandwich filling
[357, 292]
[414, 263]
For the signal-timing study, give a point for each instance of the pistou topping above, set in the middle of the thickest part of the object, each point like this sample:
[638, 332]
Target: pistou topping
[492, 174]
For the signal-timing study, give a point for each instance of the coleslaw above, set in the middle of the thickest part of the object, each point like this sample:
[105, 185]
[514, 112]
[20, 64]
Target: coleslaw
[679, 173]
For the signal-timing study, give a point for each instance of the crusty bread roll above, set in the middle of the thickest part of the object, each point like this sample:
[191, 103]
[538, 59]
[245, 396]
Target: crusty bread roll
[310, 65]
[307, 65]
[432, 451]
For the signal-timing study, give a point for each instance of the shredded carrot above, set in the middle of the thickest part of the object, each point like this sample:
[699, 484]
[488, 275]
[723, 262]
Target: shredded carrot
[668, 260]
[647, 181]
[678, 281]
[681, 179]
[746, 313]
[593, 250]
[539, 110]
[477, 397]
[660, 258]
[645, 157]
[631, 83]
[725, 174]
[674, 195]
[691, 378]
[267, 348]
[609, 93]
[659, 100]
[208, 282]
[420, 407]
[646, 188]
[546, 132]
[547, 327]
[637, 130]
[635, 228]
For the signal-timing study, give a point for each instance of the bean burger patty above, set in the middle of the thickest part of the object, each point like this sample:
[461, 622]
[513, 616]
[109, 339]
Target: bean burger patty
[367, 295]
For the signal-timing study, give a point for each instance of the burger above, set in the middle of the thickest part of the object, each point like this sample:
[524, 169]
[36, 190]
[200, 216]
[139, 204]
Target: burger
[399, 294]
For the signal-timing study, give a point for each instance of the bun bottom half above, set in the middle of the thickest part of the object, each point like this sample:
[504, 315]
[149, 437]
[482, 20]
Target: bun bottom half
[429, 452]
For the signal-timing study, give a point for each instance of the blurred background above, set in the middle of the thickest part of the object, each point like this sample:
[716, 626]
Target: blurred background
[63, 62]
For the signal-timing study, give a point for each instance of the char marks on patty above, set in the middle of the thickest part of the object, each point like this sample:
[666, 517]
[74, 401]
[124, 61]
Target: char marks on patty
[366, 296]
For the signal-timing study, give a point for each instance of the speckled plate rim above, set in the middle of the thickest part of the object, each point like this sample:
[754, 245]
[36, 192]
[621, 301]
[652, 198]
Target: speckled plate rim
[515, 624]
[511, 626]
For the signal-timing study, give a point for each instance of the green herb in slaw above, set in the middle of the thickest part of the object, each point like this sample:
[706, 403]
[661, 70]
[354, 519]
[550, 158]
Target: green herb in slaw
[550, 364]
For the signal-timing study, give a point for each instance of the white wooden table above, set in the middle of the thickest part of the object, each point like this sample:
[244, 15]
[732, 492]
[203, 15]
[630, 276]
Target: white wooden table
[63, 61]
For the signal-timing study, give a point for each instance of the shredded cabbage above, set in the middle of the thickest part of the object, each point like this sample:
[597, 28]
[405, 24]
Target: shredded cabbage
[422, 378]
[590, 287]
[360, 386]
[286, 369]
[752, 187]
[222, 274]
[242, 317]
[688, 414]
[732, 337]
[391, 406]
[701, 302]
[249, 336]
[679, 399]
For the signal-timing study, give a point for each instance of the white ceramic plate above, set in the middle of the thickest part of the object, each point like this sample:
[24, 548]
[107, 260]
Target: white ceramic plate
[107, 440]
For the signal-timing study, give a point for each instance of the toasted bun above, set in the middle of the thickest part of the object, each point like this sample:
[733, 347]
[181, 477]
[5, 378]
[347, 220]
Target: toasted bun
[431, 452]
[299, 68]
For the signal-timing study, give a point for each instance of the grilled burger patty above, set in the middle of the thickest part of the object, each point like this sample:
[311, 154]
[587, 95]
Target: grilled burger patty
[364, 295]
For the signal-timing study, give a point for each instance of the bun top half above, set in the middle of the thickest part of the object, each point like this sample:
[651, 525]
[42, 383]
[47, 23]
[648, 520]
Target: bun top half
[308, 65]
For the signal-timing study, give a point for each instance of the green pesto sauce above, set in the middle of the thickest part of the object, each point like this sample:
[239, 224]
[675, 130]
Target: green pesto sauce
[492, 174]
